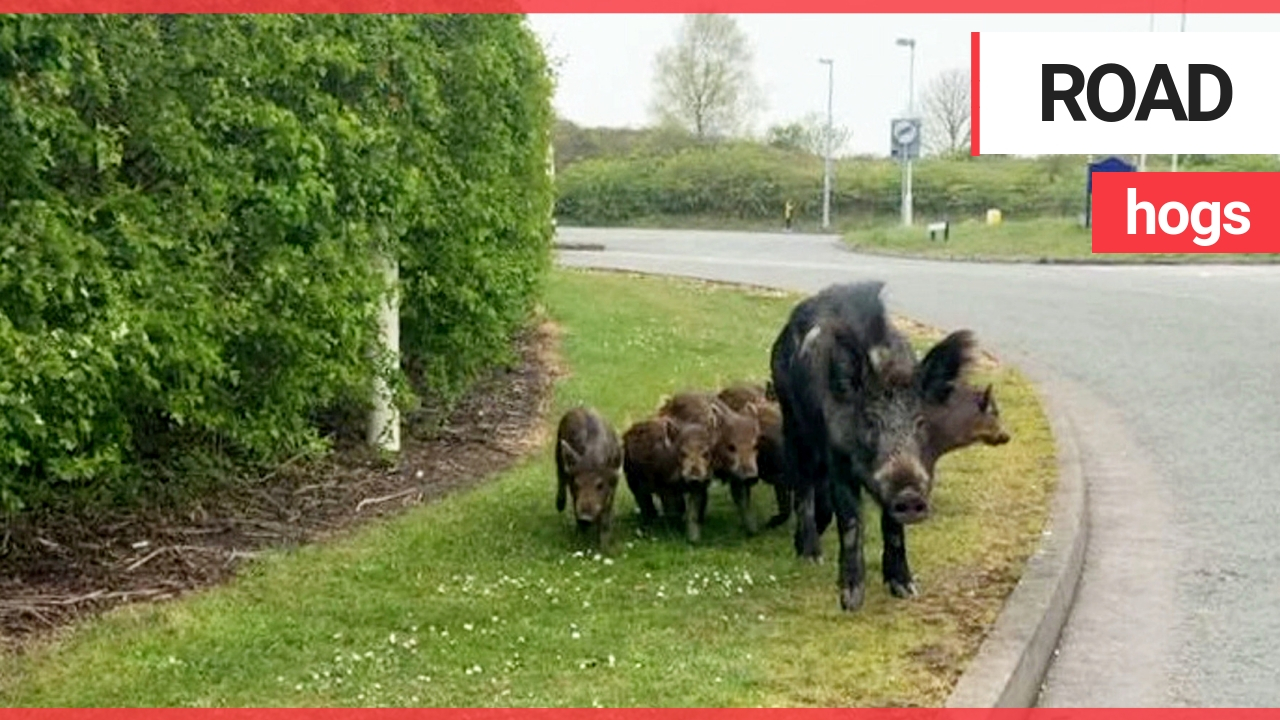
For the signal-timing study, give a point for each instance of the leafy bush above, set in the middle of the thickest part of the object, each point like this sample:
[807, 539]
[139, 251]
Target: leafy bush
[753, 182]
[189, 212]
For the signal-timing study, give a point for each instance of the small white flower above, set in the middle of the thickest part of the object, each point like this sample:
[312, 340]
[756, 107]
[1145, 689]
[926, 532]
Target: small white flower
[468, 627]
[612, 660]
[576, 635]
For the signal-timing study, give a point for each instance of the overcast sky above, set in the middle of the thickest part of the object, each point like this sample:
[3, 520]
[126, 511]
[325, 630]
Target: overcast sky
[606, 70]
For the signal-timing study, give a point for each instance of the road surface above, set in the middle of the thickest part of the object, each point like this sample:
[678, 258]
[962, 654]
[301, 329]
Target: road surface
[1171, 376]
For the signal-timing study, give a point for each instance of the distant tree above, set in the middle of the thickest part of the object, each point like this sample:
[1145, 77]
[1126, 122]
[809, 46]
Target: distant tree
[808, 134]
[946, 113]
[704, 82]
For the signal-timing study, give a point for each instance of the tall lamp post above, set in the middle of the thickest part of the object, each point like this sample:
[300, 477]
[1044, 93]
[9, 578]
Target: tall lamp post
[826, 175]
[1174, 164]
[911, 110]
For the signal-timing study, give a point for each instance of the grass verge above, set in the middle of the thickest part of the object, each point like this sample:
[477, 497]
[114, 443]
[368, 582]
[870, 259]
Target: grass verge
[1038, 240]
[488, 599]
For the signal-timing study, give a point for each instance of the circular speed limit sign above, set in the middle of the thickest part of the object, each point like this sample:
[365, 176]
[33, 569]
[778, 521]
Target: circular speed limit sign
[904, 132]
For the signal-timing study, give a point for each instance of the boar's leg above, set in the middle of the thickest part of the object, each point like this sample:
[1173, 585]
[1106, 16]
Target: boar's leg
[672, 503]
[897, 575]
[695, 512]
[644, 498]
[783, 494]
[604, 530]
[741, 492]
[846, 493]
[822, 506]
[802, 478]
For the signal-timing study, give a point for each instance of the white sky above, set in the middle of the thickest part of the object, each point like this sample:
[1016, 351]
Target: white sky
[606, 74]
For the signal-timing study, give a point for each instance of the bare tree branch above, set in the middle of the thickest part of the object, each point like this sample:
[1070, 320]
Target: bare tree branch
[946, 112]
[704, 82]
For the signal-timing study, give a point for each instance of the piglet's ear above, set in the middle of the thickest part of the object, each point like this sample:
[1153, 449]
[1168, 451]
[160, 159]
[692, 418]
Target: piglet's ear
[986, 400]
[671, 431]
[571, 456]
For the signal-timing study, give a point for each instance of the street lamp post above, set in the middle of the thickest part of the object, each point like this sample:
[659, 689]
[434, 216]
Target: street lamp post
[1174, 163]
[911, 110]
[826, 175]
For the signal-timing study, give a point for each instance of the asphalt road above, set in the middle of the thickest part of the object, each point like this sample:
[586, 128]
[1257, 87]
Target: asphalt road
[1170, 375]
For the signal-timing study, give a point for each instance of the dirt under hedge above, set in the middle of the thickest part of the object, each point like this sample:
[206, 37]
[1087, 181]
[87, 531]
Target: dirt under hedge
[58, 567]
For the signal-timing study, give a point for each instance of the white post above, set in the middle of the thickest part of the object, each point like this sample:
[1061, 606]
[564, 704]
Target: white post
[384, 421]
[826, 173]
[907, 213]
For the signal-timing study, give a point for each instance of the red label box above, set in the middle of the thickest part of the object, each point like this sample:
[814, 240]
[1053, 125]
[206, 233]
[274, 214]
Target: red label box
[1188, 212]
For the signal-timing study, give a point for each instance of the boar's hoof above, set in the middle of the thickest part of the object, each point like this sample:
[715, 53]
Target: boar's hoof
[851, 598]
[694, 534]
[776, 521]
[903, 590]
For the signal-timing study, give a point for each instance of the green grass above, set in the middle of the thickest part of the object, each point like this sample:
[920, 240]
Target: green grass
[487, 598]
[1019, 240]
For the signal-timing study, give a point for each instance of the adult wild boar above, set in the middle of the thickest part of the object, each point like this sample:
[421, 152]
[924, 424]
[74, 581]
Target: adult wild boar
[734, 437]
[588, 460]
[854, 401]
[672, 460]
[969, 416]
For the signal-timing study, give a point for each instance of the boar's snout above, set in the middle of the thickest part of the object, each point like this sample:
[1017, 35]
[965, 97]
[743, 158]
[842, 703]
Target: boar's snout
[999, 438]
[695, 466]
[907, 485]
[592, 499]
[909, 507]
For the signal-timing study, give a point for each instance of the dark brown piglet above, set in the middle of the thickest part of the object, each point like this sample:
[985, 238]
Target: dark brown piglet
[970, 415]
[588, 460]
[672, 460]
[734, 437]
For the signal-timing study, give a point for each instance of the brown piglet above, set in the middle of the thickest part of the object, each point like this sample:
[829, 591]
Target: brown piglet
[672, 460]
[734, 437]
[588, 460]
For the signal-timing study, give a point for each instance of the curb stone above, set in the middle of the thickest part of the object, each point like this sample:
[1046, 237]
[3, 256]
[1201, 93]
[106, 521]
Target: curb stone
[1013, 659]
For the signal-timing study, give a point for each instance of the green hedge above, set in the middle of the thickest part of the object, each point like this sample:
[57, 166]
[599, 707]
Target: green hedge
[753, 182]
[188, 209]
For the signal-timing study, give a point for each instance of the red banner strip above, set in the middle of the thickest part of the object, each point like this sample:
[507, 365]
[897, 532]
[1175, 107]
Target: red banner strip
[639, 6]
[637, 714]
[1186, 212]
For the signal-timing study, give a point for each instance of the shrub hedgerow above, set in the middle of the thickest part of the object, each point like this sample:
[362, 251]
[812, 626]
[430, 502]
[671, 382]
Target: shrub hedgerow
[189, 210]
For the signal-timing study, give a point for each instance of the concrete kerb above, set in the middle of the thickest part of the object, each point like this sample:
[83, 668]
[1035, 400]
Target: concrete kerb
[1013, 659]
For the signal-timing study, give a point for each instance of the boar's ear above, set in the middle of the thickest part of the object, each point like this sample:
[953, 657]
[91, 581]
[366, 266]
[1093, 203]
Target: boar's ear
[984, 400]
[717, 415]
[671, 431]
[846, 360]
[571, 456]
[945, 363]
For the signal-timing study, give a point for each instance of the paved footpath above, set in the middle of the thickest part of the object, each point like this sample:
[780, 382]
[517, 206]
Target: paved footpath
[1175, 394]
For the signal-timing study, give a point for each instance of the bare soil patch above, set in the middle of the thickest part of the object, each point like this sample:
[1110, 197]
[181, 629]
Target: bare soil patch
[56, 568]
